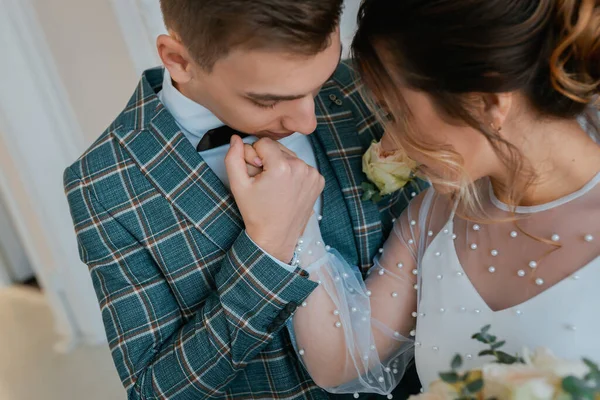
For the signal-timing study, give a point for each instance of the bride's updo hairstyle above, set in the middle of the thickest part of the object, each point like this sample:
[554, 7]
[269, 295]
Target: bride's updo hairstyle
[452, 50]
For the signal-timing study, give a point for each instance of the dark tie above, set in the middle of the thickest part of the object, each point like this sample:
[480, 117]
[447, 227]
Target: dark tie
[217, 137]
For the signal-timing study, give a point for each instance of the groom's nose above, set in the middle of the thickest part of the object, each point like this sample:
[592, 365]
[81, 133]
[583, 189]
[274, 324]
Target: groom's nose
[301, 116]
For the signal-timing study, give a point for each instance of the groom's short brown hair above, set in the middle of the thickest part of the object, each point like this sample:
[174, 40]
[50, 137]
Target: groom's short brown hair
[210, 29]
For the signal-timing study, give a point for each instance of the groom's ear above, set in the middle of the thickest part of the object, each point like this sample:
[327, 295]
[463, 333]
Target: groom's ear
[175, 57]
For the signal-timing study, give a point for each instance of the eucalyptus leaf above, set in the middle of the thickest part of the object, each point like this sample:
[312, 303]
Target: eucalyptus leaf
[449, 377]
[457, 362]
[486, 329]
[475, 386]
[498, 345]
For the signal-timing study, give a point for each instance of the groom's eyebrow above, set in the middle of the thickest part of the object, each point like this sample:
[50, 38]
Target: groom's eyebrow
[276, 97]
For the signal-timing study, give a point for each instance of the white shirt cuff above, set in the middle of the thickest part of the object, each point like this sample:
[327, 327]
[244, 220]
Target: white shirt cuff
[288, 267]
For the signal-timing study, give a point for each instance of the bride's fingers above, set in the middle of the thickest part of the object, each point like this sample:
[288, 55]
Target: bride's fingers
[287, 151]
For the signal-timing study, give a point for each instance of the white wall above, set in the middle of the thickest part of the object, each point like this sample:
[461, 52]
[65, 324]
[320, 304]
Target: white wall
[91, 58]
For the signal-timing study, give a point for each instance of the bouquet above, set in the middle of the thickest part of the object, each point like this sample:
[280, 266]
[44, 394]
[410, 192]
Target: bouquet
[535, 375]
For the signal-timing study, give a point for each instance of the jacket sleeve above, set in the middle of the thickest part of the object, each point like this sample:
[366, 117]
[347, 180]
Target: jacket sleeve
[158, 353]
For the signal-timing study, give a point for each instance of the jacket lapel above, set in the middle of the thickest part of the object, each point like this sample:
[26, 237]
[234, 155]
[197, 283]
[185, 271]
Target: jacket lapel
[167, 159]
[337, 132]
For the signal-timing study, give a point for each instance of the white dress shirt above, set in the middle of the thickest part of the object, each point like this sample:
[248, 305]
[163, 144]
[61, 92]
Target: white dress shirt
[195, 120]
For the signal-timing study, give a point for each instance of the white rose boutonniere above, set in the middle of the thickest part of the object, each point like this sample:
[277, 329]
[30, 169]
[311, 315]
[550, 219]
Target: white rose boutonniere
[386, 171]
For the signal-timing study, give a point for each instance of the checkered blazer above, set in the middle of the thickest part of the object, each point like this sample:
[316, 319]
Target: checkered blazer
[192, 308]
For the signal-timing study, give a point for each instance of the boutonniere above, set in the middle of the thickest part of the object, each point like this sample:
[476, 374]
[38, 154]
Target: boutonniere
[387, 172]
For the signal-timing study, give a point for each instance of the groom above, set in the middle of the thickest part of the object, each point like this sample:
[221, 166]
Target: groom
[195, 286]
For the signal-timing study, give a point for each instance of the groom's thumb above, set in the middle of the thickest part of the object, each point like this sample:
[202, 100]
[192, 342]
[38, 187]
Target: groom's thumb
[236, 164]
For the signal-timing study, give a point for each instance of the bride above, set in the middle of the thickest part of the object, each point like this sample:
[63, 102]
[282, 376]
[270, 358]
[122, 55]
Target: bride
[493, 99]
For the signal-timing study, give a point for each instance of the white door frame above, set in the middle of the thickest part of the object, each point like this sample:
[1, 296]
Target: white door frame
[42, 136]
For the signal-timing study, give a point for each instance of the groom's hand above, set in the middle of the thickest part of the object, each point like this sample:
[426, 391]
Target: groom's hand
[277, 203]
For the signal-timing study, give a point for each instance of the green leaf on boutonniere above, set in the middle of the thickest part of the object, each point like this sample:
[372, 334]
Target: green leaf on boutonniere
[370, 192]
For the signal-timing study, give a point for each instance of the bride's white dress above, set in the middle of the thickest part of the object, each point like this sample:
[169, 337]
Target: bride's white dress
[533, 275]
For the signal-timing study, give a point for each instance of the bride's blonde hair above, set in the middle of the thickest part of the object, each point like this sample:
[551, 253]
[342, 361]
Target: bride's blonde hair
[452, 49]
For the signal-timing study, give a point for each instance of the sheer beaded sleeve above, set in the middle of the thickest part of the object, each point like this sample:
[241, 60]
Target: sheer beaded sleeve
[354, 336]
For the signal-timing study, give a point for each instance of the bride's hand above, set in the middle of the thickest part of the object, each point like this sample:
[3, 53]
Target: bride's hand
[253, 161]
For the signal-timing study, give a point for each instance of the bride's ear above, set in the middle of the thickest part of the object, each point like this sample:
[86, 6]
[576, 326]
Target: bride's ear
[495, 108]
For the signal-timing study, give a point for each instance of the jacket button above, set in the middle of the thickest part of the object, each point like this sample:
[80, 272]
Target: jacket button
[291, 307]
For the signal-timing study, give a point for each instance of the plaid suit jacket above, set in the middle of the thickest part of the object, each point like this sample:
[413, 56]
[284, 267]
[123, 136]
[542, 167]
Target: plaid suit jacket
[192, 308]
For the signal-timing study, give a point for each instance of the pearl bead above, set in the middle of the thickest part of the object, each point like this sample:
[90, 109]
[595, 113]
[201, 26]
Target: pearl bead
[369, 293]
[394, 294]
[435, 348]
[418, 344]
[421, 314]
[364, 319]
[310, 252]
[572, 328]
[539, 281]
[410, 241]
[399, 265]
[414, 314]
[459, 273]
[381, 271]
[430, 233]
[555, 238]
[474, 246]
[336, 312]
[328, 247]
[514, 234]
[575, 277]
[319, 243]
[299, 250]
[415, 286]
[446, 231]
[381, 379]
[519, 312]
[320, 218]
[463, 309]
[301, 352]
[390, 397]
[301, 241]
[387, 369]
[588, 238]
[337, 279]
[397, 334]
[521, 273]
[454, 236]
[437, 254]
[304, 304]
[394, 371]
[440, 277]
[338, 324]
[319, 282]
[413, 222]
[413, 194]
[354, 309]
[469, 356]
[380, 251]
[356, 395]
[494, 253]
[442, 310]
[372, 347]
[415, 271]
[476, 227]
[345, 275]
[413, 333]
[477, 311]
[533, 264]
[492, 269]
